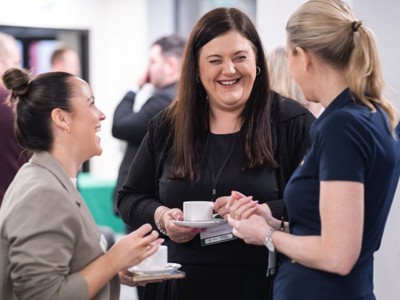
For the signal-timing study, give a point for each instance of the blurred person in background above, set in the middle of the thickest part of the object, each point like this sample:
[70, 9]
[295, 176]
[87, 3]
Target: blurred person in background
[131, 119]
[49, 243]
[65, 59]
[11, 157]
[282, 81]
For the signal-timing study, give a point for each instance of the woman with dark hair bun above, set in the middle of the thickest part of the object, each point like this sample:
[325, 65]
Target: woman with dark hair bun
[50, 245]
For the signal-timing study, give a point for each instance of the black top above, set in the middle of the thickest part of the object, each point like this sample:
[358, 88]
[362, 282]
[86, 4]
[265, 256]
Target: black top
[132, 126]
[147, 185]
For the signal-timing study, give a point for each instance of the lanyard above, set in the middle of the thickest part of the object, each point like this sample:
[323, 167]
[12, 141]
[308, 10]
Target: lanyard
[215, 177]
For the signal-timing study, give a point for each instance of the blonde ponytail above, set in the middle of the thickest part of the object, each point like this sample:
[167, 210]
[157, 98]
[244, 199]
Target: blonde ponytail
[329, 29]
[365, 76]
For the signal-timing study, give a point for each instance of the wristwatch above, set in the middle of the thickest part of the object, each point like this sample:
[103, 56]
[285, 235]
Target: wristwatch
[268, 240]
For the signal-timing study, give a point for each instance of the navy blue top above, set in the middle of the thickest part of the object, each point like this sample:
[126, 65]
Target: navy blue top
[348, 143]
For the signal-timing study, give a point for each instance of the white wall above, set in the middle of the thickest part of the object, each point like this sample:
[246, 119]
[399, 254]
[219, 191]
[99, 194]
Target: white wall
[118, 55]
[161, 19]
[271, 21]
[118, 48]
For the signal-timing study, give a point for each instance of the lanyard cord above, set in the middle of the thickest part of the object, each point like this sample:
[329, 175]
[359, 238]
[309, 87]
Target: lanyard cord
[211, 162]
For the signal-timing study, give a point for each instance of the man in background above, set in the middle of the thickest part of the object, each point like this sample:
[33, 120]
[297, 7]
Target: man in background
[66, 59]
[130, 121]
[11, 158]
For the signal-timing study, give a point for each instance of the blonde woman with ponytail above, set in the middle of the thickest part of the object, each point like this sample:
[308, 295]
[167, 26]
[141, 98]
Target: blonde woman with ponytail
[339, 198]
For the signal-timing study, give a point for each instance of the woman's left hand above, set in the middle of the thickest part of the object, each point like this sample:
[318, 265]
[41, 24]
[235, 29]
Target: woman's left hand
[241, 207]
[125, 278]
[241, 204]
[252, 230]
[220, 206]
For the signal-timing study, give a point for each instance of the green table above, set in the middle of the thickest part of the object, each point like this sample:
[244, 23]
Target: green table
[98, 193]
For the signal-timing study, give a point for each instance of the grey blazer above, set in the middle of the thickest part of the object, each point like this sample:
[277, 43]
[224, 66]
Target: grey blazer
[47, 235]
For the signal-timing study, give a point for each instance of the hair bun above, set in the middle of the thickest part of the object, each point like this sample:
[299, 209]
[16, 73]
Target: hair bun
[17, 81]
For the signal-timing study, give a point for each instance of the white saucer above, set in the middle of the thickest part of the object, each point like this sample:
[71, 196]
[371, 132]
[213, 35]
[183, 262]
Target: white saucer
[200, 224]
[170, 267]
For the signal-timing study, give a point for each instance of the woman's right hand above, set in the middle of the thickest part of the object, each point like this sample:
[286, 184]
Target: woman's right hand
[177, 233]
[125, 278]
[241, 207]
[127, 252]
[136, 246]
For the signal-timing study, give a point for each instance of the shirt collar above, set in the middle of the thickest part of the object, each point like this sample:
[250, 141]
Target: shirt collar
[340, 101]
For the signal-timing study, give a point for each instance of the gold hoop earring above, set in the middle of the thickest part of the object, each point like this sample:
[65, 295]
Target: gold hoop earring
[258, 70]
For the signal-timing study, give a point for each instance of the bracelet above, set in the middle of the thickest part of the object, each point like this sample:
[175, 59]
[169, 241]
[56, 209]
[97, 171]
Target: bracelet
[268, 240]
[270, 232]
[158, 224]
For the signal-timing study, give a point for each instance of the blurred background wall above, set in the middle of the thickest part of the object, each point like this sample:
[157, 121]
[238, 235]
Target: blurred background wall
[119, 33]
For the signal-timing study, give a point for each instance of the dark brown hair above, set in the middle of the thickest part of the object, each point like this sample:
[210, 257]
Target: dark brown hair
[171, 45]
[33, 100]
[190, 112]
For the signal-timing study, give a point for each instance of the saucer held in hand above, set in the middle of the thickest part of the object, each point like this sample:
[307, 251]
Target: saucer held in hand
[201, 224]
[170, 267]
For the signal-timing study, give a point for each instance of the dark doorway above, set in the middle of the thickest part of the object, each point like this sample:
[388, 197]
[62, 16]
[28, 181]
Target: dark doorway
[28, 37]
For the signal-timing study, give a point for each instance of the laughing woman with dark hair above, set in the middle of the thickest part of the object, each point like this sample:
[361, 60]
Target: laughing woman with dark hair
[226, 130]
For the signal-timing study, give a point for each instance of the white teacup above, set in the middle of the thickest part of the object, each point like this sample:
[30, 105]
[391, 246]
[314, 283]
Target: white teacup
[157, 261]
[198, 210]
